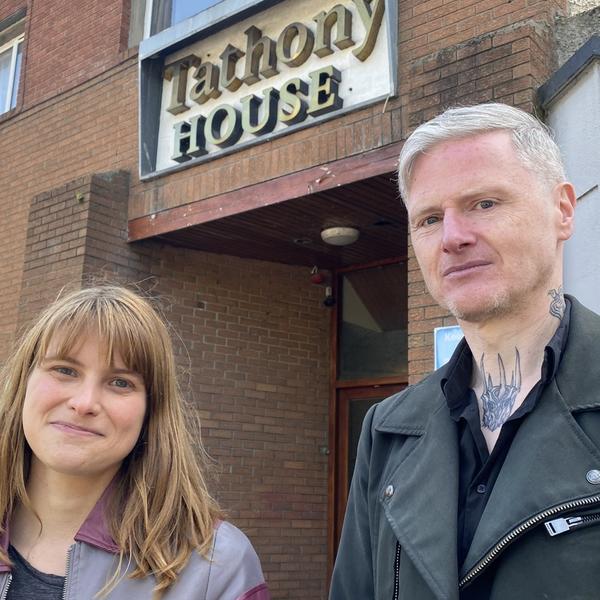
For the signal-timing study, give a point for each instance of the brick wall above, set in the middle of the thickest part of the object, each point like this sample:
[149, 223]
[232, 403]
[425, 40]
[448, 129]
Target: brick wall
[87, 130]
[59, 55]
[257, 337]
[77, 232]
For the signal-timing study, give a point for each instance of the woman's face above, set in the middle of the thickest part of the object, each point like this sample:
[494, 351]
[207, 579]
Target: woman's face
[81, 415]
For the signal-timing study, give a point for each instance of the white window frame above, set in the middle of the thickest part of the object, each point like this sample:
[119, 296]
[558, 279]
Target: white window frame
[148, 18]
[12, 44]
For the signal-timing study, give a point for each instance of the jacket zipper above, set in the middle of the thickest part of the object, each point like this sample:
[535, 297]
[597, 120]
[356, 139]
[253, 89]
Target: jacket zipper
[563, 525]
[397, 572]
[515, 533]
[5, 591]
[66, 587]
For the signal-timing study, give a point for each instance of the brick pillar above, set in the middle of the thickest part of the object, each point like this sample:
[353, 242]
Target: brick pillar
[77, 233]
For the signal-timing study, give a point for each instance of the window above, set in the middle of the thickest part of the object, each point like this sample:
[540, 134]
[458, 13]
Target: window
[152, 16]
[161, 14]
[11, 50]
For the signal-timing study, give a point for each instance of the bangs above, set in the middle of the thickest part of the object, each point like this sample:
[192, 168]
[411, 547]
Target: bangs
[120, 329]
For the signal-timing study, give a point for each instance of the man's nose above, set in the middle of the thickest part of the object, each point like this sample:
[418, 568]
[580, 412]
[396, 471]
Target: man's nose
[85, 399]
[457, 231]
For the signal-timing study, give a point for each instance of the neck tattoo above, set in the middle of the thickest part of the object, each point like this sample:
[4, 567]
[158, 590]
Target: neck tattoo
[557, 305]
[498, 399]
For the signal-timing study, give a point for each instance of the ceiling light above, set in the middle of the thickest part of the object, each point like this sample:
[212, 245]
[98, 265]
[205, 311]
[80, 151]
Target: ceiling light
[339, 236]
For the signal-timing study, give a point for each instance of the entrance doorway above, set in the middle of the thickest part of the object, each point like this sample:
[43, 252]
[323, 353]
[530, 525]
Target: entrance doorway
[370, 362]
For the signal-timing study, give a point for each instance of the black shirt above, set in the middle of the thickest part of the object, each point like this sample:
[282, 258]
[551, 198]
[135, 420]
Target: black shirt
[478, 468]
[30, 584]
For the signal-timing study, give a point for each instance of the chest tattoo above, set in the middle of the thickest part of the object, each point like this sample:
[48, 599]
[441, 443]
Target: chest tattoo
[498, 399]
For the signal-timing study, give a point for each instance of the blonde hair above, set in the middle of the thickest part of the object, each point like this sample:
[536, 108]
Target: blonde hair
[161, 510]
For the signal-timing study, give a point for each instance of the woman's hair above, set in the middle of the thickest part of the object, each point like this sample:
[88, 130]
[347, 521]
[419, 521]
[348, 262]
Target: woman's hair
[531, 139]
[160, 509]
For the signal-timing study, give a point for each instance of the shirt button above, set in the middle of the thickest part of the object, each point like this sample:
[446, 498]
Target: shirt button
[389, 491]
[481, 488]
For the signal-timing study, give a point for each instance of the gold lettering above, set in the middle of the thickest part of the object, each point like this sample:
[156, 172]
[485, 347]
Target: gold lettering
[323, 90]
[189, 139]
[304, 46]
[229, 58]
[223, 126]
[207, 87]
[250, 109]
[371, 15]
[260, 56]
[295, 112]
[177, 73]
[339, 16]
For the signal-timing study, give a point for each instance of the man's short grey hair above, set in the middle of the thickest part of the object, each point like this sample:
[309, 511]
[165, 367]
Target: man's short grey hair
[532, 140]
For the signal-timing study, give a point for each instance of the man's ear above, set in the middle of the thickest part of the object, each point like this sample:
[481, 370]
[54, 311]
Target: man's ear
[566, 200]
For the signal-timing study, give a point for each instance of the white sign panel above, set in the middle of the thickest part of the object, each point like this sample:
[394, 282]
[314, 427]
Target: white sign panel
[288, 67]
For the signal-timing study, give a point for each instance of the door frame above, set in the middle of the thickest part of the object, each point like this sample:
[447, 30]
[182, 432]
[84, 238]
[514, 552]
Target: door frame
[336, 494]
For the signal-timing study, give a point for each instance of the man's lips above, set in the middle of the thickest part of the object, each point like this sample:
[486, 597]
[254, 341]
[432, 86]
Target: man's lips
[465, 267]
[74, 429]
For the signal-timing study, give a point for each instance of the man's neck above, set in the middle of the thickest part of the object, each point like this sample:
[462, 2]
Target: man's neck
[508, 353]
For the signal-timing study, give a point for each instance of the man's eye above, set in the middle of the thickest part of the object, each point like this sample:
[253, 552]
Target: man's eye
[486, 204]
[430, 220]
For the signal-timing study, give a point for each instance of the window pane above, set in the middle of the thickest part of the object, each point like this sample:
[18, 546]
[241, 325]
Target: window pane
[5, 59]
[357, 410]
[15, 89]
[373, 337]
[182, 9]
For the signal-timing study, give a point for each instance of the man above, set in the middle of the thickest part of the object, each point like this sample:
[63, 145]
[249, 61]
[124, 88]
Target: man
[483, 481]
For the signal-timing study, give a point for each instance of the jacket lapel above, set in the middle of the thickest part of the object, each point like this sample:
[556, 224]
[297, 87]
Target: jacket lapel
[422, 510]
[550, 456]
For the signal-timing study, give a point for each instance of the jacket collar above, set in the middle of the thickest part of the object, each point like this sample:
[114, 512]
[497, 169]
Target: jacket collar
[94, 529]
[422, 511]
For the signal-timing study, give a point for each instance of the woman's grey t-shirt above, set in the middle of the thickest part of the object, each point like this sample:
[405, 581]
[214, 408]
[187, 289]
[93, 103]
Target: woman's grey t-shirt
[30, 584]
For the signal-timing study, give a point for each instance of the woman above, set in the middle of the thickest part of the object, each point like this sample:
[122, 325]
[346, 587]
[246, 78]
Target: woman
[102, 493]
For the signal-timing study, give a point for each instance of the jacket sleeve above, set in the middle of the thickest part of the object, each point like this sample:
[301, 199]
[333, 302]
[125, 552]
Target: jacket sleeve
[235, 571]
[353, 571]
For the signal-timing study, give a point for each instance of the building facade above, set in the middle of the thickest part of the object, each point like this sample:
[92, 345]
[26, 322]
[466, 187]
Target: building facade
[199, 150]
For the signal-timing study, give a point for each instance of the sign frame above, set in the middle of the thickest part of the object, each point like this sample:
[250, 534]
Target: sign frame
[154, 50]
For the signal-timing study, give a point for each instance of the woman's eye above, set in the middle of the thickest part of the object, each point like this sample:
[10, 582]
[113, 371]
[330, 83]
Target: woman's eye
[65, 371]
[122, 383]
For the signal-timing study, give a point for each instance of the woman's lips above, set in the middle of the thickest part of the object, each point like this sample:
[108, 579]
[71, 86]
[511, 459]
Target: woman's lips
[73, 429]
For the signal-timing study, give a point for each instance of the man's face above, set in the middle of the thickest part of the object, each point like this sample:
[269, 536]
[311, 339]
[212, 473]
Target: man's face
[485, 230]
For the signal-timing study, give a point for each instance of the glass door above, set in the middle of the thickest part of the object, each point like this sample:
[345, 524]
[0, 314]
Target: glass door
[371, 363]
[352, 406]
